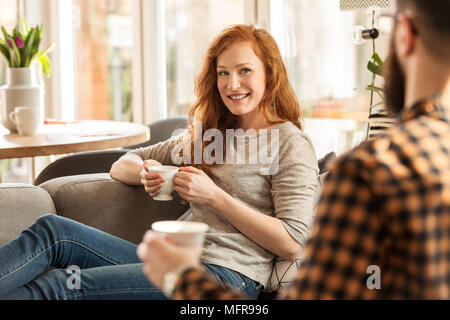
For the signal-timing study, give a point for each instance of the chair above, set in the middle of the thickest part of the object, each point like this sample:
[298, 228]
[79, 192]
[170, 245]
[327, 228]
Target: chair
[101, 161]
[162, 130]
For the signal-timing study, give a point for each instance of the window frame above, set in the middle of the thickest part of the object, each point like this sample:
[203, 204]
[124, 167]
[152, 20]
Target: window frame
[149, 54]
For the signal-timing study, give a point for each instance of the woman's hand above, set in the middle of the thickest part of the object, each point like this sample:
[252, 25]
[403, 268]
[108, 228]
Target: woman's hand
[160, 256]
[152, 181]
[195, 186]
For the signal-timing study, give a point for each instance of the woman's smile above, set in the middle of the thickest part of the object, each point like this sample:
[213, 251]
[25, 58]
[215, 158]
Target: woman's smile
[238, 98]
[241, 79]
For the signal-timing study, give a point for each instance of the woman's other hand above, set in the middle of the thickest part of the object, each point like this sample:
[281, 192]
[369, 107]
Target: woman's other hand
[195, 186]
[152, 181]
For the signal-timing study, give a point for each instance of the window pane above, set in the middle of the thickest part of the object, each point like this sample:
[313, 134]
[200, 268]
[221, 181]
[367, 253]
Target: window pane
[11, 170]
[319, 55]
[190, 26]
[324, 64]
[8, 19]
[103, 60]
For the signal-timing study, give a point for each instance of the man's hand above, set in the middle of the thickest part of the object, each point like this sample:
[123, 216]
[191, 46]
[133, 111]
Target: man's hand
[160, 256]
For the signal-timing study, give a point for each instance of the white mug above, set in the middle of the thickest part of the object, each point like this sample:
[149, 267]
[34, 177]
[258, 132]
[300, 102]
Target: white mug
[168, 173]
[26, 119]
[182, 233]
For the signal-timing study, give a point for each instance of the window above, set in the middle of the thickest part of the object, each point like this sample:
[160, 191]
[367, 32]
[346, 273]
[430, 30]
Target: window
[9, 16]
[323, 62]
[102, 53]
[326, 68]
[136, 60]
[190, 26]
[10, 169]
[319, 54]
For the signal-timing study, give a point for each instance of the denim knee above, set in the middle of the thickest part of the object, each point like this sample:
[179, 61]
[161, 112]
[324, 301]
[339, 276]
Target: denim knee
[54, 224]
[48, 219]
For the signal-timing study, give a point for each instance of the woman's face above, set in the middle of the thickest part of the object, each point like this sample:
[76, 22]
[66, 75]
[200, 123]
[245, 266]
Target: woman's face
[241, 78]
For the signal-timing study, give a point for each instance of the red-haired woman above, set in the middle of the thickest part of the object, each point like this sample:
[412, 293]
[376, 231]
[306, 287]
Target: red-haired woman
[257, 206]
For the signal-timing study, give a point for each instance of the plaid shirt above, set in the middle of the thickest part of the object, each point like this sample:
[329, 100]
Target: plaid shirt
[382, 228]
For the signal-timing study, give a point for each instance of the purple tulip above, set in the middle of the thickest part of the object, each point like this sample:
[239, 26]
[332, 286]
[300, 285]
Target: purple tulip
[10, 44]
[19, 42]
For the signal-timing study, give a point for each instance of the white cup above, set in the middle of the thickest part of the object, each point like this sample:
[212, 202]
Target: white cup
[168, 173]
[26, 119]
[182, 233]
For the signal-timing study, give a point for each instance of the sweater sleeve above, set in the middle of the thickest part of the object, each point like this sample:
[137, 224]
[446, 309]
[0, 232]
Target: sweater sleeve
[161, 152]
[293, 186]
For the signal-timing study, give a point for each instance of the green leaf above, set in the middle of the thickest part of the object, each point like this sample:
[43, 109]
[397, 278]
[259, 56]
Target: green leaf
[4, 48]
[28, 46]
[25, 26]
[41, 29]
[13, 59]
[36, 42]
[46, 65]
[5, 52]
[5, 34]
[376, 58]
[377, 90]
[28, 36]
[374, 88]
[16, 53]
[34, 57]
[375, 69]
[15, 33]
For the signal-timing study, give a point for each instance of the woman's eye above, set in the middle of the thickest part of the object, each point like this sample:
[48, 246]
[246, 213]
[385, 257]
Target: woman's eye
[222, 73]
[246, 70]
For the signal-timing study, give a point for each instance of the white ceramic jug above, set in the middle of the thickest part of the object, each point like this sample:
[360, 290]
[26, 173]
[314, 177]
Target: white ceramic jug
[21, 89]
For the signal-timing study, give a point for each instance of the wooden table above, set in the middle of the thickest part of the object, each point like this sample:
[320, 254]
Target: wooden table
[62, 138]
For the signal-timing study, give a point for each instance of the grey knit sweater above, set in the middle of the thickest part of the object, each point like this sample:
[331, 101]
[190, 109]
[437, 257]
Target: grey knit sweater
[283, 187]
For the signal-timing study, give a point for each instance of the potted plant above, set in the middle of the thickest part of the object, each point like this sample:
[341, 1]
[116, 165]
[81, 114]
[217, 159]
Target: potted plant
[375, 66]
[379, 118]
[21, 49]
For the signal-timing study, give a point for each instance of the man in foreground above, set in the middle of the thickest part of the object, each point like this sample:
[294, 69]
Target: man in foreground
[382, 229]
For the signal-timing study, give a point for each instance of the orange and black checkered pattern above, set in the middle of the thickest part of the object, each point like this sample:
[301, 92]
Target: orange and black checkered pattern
[384, 204]
[196, 284]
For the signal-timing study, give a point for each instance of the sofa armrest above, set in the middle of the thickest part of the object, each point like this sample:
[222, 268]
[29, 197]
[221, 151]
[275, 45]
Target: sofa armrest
[20, 206]
[104, 203]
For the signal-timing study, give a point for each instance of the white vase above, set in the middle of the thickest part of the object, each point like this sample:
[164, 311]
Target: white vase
[21, 89]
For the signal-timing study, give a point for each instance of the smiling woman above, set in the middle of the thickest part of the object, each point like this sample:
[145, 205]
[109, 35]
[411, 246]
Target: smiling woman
[242, 85]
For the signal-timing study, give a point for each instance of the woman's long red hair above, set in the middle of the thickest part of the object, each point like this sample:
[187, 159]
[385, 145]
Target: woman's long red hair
[279, 103]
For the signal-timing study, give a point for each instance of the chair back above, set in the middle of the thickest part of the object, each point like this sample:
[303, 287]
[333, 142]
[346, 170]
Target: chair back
[101, 161]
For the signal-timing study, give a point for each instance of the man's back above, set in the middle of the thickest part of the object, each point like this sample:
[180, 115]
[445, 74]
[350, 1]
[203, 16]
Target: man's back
[387, 207]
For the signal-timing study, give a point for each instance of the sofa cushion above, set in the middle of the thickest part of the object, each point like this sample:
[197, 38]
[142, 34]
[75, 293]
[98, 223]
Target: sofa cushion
[20, 206]
[101, 202]
[284, 272]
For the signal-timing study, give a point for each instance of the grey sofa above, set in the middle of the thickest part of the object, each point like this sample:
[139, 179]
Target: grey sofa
[95, 200]
[103, 203]
[92, 199]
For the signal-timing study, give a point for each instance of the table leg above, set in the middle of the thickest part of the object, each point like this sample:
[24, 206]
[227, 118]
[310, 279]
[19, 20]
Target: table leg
[32, 169]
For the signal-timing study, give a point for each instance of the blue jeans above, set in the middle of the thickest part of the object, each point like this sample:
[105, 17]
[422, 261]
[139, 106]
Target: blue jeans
[109, 267]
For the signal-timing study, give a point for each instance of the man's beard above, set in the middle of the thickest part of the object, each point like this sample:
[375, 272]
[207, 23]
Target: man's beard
[394, 83]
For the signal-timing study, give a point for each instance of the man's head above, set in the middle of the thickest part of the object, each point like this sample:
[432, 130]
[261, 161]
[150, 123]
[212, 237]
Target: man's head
[422, 28]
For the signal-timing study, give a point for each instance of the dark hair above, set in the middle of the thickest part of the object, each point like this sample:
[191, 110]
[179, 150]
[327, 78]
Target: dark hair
[431, 19]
